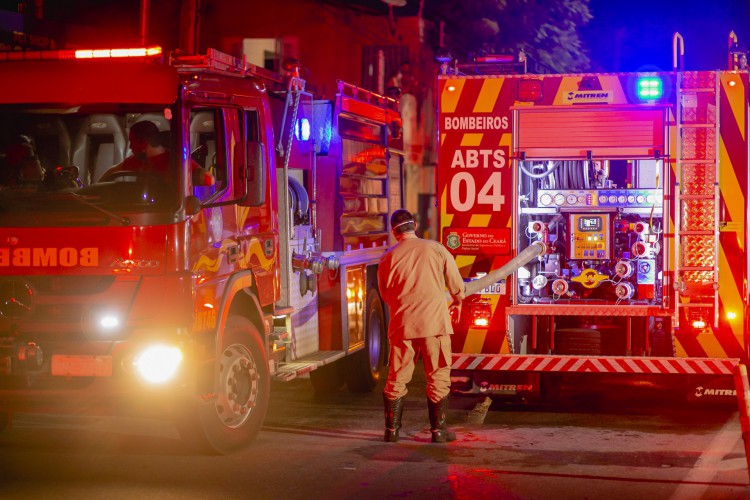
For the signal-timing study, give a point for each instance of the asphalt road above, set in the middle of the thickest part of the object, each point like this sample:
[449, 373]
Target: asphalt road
[332, 447]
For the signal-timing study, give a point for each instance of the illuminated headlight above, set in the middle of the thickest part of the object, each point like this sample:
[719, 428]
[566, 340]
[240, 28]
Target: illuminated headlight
[158, 364]
[104, 323]
[109, 322]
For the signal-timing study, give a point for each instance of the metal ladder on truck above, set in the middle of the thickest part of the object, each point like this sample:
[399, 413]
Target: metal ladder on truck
[696, 207]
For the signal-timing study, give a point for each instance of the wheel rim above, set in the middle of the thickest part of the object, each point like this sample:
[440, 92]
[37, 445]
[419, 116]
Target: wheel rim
[238, 385]
[375, 326]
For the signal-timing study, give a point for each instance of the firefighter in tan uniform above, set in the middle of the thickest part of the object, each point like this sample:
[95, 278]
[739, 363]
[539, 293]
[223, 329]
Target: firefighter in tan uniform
[413, 276]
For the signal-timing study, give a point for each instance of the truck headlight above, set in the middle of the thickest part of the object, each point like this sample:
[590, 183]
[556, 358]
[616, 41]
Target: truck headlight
[104, 323]
[158, 364]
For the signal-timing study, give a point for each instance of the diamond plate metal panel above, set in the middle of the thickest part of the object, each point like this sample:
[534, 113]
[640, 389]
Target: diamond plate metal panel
[699, 277]
[698, 80]
[699, 143]
[697, 215]
[699, 109]
[698, 178]
[697, 251]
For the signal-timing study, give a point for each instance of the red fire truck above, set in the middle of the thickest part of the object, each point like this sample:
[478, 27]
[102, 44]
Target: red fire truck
[252, 256]
[616, 206]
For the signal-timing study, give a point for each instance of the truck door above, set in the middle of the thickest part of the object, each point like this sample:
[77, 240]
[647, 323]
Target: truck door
[214, 250]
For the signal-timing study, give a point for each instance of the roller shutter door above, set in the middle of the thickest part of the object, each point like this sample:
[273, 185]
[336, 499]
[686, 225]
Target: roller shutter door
[576, 132]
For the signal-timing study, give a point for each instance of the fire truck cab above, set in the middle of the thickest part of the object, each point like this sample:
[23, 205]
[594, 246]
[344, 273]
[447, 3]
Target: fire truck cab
[237, 242]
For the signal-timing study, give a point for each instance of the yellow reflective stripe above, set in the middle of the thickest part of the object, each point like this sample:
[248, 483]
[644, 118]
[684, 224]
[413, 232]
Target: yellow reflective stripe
[488, 95]
[734, 198]
[445, 218]
[480, 220]
[475, 336]
[711, 346]
[472, 139]
[449, 98]
[505, 140]
[730, 296]
[736, 98]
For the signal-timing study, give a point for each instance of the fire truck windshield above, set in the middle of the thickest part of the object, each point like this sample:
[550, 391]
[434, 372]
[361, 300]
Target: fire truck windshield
[87, 166]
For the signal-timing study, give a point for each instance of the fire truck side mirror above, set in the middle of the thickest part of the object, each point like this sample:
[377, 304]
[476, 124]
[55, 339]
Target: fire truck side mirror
[192, 205]
[256, 174]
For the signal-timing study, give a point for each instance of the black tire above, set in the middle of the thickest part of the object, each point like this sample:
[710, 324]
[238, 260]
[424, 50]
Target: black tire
[329, 378]
[366, 367]
[233, 418]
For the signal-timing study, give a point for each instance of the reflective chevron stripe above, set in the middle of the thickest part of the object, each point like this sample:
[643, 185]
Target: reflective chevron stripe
[602, 364]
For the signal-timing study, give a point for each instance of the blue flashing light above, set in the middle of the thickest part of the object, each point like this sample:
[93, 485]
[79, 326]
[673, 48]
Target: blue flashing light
[302, 130]
[649, 88]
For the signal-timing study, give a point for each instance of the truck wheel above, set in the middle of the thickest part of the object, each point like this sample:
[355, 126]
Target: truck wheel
[366, 366]
[242, 385]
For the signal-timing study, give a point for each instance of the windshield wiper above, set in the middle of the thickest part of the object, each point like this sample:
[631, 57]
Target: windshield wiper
[123, 220]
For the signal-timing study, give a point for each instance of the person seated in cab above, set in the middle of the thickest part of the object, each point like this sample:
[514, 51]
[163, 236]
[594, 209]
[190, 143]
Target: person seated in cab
[22, 166]
[149, 155]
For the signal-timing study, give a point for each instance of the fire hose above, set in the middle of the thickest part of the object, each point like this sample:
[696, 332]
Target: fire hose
[524, 257]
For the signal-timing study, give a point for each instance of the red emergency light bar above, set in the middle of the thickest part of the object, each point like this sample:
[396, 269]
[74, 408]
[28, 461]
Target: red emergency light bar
[113, 53]
[49, 55]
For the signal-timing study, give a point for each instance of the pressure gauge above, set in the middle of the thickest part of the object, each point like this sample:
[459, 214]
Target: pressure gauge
[572, 199]
[624, 269]
[624, 290]
[539, 282]
[559, 199]
[560, 287]
[545, 199]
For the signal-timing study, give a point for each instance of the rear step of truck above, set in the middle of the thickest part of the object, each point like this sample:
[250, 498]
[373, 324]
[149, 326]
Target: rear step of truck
[304, 365]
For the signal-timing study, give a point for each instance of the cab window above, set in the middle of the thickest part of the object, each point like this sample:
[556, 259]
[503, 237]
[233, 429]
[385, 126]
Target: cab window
[206, 149]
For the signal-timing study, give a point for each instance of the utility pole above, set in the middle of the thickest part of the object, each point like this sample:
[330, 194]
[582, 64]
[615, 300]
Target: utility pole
[189, 25]
[145, 10]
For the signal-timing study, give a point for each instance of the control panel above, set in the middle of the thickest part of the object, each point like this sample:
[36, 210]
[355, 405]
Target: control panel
[590, 236]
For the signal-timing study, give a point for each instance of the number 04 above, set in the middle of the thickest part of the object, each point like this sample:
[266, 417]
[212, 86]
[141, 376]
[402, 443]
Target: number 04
[489, 194]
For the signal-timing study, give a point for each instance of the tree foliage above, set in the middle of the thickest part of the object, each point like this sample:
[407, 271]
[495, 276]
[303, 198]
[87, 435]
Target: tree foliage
[545, 30]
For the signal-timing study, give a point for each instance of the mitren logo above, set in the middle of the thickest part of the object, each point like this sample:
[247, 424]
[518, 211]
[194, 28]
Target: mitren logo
[487, 387]
[701, 391]
[595, 96]
[589, 91]
[135, 264]
[49, 257]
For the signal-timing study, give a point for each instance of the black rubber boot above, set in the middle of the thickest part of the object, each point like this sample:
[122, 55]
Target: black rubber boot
[438, 425]
[393, 410]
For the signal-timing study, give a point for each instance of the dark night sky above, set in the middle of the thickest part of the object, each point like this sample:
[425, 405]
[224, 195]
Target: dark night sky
[627, 35]
[624, 35]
